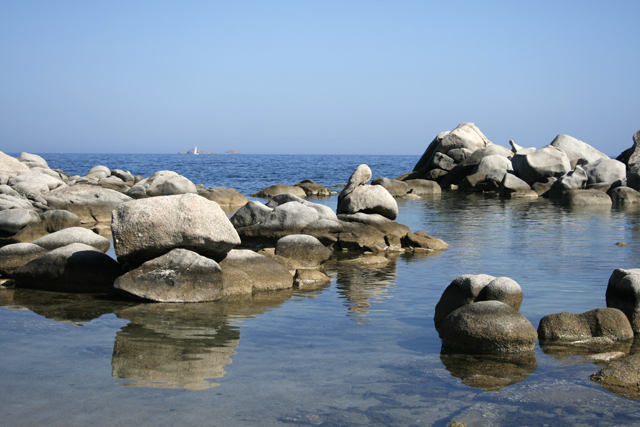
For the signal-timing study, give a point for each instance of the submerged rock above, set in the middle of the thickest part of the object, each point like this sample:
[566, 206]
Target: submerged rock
[622, 377]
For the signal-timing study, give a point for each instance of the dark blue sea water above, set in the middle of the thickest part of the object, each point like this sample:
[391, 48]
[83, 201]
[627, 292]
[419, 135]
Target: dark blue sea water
[246, 173]
[360, 351]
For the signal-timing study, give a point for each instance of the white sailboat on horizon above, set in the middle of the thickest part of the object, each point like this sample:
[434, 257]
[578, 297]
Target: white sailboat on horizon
[195, 150]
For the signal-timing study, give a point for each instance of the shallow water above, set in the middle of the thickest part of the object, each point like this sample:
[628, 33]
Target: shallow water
[360, 351]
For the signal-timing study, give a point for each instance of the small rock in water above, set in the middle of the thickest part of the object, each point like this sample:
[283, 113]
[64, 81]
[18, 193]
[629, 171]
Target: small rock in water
[621, 243]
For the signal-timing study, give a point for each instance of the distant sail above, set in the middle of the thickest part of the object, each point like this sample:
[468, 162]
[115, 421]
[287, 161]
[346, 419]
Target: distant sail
[195, 150]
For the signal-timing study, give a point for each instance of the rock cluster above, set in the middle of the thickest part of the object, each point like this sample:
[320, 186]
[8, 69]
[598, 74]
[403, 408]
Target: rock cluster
[567, 169]
[488, 344]
[480, 314]
[174, 243]
[364, 220]
[36, 200]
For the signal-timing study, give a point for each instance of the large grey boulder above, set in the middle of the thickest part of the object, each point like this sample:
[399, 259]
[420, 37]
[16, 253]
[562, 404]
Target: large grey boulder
[538, 165]
[34, 182]
[623, 293]
[621, 377]
[423, 187]
[305, 249]
[13, 221]
[607, 324]
[246, 271]
[631, 156]
[369, 199]
[251, 213]
[274, 190]
[71, 235]
[147, 228]
[633, 176]
[490, 150]
[290, 216]
[11, 166]
[573, 180]
[605, 170]
[90, 203]
[469, 288]
[487, 327]
[8, 201]
[513, 187]
[624, 196]
[492, 163]
[73, 268]
[177, 276]
[98, 172]
[312, 188]
[585, 198]
[227, 198]
[125, 176]
[33, 161]
[324, 212]
[17, 255]
[465, 135]
[57, 219]
[359, 177]
[576, 150]
[167, 183]
[395, 187]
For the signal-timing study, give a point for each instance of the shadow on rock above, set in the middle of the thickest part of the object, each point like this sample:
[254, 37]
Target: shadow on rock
[490, 372]
[182, 345]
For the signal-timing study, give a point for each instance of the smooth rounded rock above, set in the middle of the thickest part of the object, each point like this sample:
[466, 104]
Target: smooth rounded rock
[609, 323]
[274, 190]
[147, 228]
[17, 255]
[72, 268]
[71, 235]
[305, 249]
[622, 377]
[177, 276]
[57, 219]
[487, 327]
[13, 221]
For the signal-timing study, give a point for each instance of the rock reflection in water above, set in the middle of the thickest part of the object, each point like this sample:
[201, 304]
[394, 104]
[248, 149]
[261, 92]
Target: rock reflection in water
[59, 306]
[183, 345]
[590, 351]
[362, 284]
[490, 372]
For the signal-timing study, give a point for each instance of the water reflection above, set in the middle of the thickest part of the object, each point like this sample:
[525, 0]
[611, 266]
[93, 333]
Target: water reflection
[61, 307]
[490, 372]
[363, 283]
[570, 353]
[183, 345]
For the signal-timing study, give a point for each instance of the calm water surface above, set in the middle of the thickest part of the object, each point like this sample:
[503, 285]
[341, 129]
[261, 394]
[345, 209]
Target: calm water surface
[360, 351]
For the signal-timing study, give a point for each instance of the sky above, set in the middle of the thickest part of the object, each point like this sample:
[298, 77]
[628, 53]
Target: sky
[314, 77]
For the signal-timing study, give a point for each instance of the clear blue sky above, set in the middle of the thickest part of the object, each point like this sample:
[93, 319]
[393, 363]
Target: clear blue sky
[314, 77]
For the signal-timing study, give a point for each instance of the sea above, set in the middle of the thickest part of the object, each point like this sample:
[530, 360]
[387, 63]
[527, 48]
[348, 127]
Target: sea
[360, 351]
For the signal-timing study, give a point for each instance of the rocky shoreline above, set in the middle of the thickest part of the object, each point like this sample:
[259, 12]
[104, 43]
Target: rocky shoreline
[174, 241]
